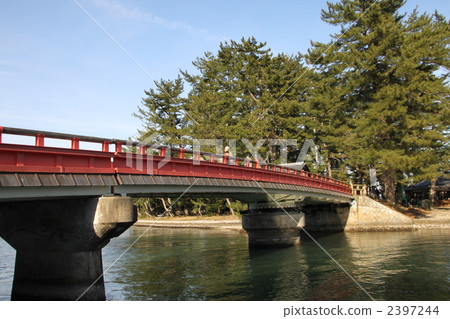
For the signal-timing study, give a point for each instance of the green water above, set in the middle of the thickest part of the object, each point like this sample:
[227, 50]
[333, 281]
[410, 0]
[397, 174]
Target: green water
[204, 265]
[167, 264]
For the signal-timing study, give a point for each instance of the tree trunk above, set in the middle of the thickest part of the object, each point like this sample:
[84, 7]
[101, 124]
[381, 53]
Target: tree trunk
[432, 190]
[229, 206]
[170, 206]
[148, 206]
[329, 171]
[358, 174]
[389, 185]
[165, 207]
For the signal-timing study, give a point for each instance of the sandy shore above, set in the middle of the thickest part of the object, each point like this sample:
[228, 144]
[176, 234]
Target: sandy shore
[217, 223]
[438, 218]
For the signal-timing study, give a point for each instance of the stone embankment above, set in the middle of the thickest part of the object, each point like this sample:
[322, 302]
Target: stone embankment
[367, 214]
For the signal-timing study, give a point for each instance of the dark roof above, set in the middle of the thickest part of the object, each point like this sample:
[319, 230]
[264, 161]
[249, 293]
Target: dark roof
[441, 183]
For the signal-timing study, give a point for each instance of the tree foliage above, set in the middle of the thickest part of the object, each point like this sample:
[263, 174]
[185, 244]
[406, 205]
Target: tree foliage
[375, 96]
[388, 74]
[244, 91]
[162, 113]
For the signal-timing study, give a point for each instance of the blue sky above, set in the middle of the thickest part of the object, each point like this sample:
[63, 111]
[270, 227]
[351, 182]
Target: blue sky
[59, 71]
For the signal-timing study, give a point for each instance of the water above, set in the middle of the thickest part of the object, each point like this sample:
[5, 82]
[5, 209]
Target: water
[167, 264]
[7, 257]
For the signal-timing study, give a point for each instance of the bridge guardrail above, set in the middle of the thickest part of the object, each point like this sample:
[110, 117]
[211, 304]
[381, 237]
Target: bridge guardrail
[39, 158]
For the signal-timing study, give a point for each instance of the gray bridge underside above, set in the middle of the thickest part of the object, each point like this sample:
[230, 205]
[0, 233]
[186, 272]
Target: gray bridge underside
[27, 186]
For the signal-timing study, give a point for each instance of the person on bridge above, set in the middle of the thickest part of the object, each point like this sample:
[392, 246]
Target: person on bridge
[227, 155]
[248, 161]
[227, 151]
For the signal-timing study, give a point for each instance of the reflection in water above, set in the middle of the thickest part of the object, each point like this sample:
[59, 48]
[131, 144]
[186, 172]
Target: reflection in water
[403, 265]
[179, 265]
[277, 274]
[167, 264]
[203, 265]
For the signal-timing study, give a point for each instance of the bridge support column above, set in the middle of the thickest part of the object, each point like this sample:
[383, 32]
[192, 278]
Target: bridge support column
[59, 242]
[268, 228]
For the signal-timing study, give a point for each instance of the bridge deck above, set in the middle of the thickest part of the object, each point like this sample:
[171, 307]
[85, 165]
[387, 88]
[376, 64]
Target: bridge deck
[43, 185]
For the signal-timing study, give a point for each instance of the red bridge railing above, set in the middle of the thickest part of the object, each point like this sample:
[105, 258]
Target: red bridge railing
[131, 157]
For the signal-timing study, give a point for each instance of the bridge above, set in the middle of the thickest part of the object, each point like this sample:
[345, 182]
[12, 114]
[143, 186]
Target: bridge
[61, 204]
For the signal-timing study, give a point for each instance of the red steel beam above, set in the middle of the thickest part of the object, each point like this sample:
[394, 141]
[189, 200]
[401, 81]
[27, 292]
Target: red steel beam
[23, 158]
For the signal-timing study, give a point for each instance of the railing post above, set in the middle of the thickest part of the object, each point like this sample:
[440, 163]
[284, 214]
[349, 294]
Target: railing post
[143, 149]
[181, 153]
[105, 146]
[236, 162]
[118, 147]
[212, 158]
[75, 143]
[40, 140]
[225, 159]
[162, 152]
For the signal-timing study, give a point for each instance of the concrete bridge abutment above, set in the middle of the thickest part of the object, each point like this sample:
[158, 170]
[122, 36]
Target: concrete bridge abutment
[59, 242]
[273, 227]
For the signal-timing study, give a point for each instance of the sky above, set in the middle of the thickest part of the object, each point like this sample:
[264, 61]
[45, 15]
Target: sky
[81, 66]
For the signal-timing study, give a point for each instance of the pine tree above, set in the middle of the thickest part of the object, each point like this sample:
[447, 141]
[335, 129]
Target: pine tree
[245, 92]
[387, 79]
[163, 115]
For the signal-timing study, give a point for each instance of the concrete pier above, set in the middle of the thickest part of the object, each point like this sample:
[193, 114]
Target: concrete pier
[59, 242]
[273, 228]
[364, 214]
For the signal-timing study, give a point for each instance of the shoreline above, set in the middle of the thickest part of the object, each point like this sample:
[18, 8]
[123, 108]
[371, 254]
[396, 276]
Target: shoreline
[212, 224]
[438, 218]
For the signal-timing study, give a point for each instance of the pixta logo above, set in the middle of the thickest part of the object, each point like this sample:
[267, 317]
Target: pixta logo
[141, 153]
[144, 162]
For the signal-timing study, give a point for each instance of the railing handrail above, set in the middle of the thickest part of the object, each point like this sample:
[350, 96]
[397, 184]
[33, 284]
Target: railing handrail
[119, 143]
